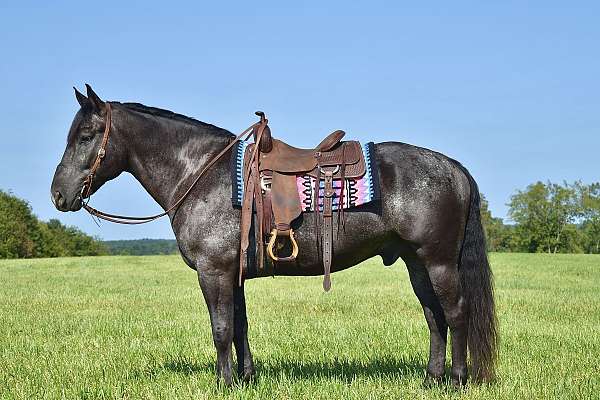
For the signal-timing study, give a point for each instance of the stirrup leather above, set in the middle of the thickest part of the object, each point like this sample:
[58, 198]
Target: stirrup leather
[274, 234]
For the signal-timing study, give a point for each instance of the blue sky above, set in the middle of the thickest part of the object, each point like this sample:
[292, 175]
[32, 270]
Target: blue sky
[510, 89]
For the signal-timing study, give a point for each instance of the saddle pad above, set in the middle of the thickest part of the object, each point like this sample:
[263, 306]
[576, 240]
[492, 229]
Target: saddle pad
[358, 190]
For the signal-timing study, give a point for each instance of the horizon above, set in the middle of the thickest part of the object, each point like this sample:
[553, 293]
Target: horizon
[509, 91]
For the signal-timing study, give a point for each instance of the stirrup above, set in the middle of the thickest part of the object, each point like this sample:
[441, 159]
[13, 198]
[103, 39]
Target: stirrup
[273, 239]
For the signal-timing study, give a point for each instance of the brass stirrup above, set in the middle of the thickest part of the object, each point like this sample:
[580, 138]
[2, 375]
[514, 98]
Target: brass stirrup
[273, 239]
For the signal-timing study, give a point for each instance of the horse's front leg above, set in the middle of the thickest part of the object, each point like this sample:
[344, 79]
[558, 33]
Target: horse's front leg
[217, 288]
[245, 365]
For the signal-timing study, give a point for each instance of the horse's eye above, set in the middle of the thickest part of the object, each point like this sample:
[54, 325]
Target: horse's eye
[85, 138]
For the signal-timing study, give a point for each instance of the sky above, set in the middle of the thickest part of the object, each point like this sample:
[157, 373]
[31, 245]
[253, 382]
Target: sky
[511, 89]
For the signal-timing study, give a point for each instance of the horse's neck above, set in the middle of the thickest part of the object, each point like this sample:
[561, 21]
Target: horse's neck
[166, 156]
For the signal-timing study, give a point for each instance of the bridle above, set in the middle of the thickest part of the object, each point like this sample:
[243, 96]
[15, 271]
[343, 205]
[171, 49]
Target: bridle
[87, 183]
[122, 219]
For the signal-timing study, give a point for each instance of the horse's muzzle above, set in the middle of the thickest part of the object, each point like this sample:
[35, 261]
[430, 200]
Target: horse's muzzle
[61, 203]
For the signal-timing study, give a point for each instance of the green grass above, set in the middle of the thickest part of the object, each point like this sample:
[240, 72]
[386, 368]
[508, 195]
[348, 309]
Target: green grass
[137, 327]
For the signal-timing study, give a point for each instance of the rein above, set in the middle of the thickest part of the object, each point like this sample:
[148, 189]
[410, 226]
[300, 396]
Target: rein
[123, 219]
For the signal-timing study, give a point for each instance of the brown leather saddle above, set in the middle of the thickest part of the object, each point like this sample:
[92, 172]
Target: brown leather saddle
[270, 170]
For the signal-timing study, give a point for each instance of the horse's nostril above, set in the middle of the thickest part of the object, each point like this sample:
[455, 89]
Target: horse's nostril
[59, 201]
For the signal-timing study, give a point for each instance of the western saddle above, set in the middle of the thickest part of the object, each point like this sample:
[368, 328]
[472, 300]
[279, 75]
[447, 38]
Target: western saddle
[270, 190]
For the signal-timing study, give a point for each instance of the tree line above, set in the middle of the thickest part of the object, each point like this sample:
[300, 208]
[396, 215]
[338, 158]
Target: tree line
[142, 247]
[547, 218]
[23, 235]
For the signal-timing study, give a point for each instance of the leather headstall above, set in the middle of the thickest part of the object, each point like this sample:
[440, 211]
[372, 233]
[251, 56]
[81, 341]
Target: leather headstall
[87, 183]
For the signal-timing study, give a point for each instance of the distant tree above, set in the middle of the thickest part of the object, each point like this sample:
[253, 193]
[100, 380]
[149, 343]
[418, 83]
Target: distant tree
[18, 228]
[141, 247]
[497, 234]
[22, 235]
[543, 214]
[590, 203]
[50, 244]
[73, 242]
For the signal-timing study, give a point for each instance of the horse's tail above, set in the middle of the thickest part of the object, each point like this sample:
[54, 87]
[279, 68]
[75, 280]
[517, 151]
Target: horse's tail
[477, 287]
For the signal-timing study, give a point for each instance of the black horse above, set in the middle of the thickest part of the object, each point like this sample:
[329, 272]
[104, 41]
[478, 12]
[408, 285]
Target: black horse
[429, 216]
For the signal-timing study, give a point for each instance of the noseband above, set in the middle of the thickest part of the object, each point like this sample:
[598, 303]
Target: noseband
[122, 219]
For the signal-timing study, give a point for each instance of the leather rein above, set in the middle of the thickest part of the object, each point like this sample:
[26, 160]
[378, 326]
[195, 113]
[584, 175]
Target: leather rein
[123, 219]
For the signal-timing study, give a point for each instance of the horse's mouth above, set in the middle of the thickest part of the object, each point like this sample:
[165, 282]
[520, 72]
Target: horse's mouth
[76, 204]
[62, 206]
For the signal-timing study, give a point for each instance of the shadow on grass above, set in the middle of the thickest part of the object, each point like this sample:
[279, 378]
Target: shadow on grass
[345, 370]
[187, 367]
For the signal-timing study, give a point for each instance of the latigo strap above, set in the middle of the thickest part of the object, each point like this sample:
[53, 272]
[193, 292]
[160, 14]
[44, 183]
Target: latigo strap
[327, 229]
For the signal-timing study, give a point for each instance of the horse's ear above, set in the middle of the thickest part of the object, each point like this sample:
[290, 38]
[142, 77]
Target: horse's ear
[81, 99]
[97, 103]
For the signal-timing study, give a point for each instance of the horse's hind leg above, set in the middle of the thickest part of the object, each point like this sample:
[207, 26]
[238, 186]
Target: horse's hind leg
[436, 321]
[245, 365]
[217, 288]
[445, 281]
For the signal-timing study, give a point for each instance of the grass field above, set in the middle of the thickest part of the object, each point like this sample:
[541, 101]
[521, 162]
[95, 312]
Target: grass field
[137, 328]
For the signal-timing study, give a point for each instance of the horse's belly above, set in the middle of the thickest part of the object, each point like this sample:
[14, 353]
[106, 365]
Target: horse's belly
[350, 247]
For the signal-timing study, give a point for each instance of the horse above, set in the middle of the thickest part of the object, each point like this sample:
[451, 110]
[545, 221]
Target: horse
[428, 215]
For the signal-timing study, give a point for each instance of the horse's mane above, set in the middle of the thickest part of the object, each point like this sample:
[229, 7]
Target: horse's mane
[159, 112]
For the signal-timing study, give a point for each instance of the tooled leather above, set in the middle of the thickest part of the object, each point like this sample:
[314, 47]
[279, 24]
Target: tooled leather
[355, 165]
[330, 141]
[338, 155]
[287, 159]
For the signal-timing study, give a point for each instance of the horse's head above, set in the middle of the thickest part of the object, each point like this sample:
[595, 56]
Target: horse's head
[83, 144]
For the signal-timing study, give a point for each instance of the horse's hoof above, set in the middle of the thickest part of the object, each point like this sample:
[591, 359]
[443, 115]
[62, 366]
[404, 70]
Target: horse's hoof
[224, 381]
[248, 375]
[431, 381]
[459, 382]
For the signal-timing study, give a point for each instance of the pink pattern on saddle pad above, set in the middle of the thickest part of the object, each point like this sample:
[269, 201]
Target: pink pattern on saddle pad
[356, 192]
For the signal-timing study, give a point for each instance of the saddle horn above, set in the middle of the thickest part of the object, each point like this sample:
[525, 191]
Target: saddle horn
[266, 141]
